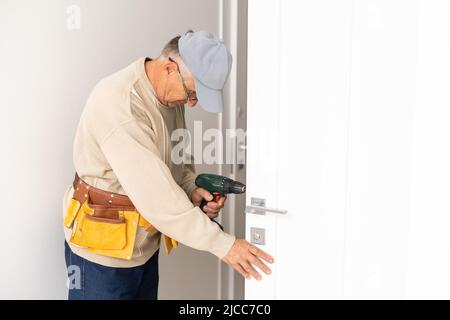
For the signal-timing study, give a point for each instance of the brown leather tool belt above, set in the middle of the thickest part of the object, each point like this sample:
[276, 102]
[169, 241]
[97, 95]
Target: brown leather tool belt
[105, 222]
[106, 204]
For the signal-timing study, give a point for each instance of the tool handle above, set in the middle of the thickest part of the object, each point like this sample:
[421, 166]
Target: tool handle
[216, 197]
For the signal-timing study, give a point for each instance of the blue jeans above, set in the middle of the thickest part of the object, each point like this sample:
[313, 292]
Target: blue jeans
[92, 281]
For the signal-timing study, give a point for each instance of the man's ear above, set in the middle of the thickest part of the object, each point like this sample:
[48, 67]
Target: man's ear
[170, 67]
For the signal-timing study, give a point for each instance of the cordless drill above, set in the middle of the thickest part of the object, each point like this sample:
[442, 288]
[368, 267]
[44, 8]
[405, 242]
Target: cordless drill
[218, 186]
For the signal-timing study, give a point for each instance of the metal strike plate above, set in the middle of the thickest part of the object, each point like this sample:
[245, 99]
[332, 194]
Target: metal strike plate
[258, 236]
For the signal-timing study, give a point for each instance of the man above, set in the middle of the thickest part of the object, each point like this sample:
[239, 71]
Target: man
[125, 176]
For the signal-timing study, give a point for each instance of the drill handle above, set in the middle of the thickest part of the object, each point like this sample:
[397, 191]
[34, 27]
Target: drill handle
[216, 197]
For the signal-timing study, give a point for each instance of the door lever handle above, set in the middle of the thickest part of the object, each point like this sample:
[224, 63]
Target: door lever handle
[263, 210]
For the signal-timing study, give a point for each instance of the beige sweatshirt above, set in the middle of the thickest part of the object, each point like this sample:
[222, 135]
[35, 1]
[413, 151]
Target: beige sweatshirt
[123, 145]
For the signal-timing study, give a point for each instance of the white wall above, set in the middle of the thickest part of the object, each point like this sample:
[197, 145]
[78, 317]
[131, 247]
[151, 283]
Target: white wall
[46, 74]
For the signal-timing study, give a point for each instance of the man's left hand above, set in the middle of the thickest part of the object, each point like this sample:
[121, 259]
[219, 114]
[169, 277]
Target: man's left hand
[211, 208]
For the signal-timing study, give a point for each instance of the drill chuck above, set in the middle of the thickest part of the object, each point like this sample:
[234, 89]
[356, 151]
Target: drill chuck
[231, 186]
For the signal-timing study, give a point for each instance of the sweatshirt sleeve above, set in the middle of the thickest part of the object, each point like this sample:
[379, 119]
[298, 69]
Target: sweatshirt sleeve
[136, 161]
[189, 174]
[188, 181]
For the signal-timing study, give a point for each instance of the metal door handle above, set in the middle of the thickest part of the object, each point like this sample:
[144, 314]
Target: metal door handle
[263, 210]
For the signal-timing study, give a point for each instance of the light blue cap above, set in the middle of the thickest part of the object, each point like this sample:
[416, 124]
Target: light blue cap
[210, 63]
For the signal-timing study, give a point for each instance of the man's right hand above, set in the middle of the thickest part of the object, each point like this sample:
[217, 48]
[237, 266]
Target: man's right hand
[243, 257]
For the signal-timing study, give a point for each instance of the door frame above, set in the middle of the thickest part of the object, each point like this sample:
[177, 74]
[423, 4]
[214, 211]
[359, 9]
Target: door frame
[233, 30]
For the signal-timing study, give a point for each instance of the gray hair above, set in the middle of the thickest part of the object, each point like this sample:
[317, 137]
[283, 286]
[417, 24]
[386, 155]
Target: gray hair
[171, 48]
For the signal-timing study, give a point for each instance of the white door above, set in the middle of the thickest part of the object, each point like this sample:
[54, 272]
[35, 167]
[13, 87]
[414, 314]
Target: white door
[348, 145]
[297, 142]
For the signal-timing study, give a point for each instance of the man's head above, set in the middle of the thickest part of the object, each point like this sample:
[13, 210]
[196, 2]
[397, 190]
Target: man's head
[173, 82]
[192, 68]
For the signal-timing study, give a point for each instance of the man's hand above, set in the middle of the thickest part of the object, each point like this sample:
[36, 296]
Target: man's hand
[243, 256]
[211, 208]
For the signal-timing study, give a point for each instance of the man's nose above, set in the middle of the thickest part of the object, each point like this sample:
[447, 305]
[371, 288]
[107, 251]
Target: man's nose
[192, 103]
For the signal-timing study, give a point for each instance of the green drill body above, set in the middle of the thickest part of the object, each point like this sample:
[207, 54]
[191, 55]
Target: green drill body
[218, 186]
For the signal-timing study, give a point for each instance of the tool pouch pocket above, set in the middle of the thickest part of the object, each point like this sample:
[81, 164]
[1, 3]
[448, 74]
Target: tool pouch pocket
[101, 233]
[105, 230]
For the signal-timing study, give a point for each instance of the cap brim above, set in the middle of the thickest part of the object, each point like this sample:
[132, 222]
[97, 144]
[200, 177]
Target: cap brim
[209, 99]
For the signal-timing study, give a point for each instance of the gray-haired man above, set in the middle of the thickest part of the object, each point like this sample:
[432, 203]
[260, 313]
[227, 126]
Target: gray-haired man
[122, 158]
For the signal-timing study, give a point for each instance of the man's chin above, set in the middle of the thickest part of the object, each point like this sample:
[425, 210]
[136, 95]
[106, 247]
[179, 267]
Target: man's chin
[174, 104]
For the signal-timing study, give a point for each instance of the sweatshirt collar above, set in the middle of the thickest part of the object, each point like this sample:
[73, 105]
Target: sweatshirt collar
[147, 85]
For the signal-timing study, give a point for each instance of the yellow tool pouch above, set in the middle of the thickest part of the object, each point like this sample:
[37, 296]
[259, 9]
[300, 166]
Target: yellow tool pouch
[105, 223]
[71, 213]
[113, 237]
[99, 233]
[124, 239]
